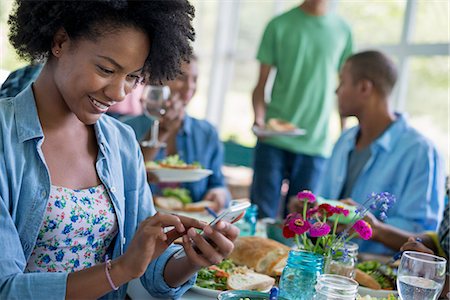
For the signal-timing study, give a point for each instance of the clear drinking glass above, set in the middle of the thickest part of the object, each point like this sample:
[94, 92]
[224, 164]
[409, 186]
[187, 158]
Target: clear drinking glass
[420, 276]
[153, 102]
[335, 287]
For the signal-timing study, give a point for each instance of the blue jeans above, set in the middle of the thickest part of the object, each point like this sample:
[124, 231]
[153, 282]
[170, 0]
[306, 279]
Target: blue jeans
[271, 166]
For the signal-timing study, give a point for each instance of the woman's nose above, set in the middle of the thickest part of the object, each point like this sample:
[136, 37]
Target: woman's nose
[118, 89]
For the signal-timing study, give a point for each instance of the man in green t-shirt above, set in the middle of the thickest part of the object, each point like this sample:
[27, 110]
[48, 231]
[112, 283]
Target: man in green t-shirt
[307, 45]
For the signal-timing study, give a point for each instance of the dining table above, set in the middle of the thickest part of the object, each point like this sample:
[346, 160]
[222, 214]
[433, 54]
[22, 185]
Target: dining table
[136, 291]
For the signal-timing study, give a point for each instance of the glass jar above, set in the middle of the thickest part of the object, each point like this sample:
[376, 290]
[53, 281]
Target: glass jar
[247, 225]
[345, 264]
[300, 274]
[335, 287]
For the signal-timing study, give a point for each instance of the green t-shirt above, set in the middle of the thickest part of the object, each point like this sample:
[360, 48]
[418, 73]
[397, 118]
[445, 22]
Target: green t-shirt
[307, 52]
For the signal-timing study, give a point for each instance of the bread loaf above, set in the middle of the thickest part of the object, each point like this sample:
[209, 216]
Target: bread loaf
[261, 254]
[366, 280]
[168, 203]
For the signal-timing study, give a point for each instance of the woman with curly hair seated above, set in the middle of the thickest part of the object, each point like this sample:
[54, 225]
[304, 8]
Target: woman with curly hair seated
[76, 214]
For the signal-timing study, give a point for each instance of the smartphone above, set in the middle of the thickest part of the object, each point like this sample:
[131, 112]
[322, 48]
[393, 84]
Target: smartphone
[232, 214]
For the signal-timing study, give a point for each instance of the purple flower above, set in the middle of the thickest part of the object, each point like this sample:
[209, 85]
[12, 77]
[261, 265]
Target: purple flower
[383, 216]
[319, 229]
[306, 196]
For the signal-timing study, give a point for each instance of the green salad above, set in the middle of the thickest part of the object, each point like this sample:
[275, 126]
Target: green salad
[175, 161]
[179, 193]
[215, 277]
[383, 274]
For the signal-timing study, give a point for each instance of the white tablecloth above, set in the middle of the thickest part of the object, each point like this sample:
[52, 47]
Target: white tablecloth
[137, 292]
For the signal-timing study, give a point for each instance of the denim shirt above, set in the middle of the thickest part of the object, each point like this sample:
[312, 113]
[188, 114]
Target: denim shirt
[197, 140]
[24, 191]
[403, 163]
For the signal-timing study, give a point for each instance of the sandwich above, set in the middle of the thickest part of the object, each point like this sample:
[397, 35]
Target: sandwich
[264, 255]
[227, 276]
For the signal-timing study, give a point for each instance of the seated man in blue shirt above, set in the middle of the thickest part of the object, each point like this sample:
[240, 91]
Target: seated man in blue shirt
[192, 139]
[383, 153]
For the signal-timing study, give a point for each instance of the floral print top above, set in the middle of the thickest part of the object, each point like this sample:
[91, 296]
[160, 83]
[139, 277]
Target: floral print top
[78, 227]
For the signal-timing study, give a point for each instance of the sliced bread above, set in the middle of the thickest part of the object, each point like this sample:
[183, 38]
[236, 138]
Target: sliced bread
[250, 281]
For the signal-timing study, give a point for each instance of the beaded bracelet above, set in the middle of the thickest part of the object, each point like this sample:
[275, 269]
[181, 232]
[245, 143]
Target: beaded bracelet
[108, 267]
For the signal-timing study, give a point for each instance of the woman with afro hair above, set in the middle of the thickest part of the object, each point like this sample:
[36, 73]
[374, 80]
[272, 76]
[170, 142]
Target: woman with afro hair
[76, 214]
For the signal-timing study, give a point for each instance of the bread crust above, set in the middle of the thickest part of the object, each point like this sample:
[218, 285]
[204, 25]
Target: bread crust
[280, 125]
[366, 280]
[260, 254]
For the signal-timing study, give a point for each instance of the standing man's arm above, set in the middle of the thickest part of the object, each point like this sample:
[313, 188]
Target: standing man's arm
[259, 104]
[348, 50]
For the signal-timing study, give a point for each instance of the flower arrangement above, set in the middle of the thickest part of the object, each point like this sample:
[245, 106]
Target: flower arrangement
[313, 233]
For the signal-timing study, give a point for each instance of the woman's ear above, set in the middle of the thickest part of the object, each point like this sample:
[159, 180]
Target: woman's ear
[60, 40]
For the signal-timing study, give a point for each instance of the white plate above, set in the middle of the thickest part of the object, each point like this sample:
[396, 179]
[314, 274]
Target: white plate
[363, 291]
[260, 132]
[205, 292]
[211, 293]
[180, 175]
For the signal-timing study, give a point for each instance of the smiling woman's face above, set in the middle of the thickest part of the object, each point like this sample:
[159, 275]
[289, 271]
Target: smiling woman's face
[93, 75]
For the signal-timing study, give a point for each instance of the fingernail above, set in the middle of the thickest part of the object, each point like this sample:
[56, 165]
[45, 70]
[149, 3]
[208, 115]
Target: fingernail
[192, 233]
[208, 230]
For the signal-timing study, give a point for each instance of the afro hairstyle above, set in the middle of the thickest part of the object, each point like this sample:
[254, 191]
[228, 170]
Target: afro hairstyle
[167, 23]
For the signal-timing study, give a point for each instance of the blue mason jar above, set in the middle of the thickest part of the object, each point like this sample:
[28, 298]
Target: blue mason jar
[247, 225]
[299, 277]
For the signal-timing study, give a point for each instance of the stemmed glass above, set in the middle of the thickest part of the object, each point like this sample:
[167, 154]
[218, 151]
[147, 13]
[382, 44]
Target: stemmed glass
[420, 276]
[153, 102]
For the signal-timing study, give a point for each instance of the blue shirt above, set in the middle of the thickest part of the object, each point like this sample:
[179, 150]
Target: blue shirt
[18, 80]
[403, 163]
[197, 140]
[25, 188]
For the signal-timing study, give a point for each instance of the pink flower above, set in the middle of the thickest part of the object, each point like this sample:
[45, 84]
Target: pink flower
[363, 229]
[341, 210]
[319, 229]
[306, 195]
[298, 225]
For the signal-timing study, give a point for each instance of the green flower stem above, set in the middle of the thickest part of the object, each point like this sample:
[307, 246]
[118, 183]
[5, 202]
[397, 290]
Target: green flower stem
[350, 237]
[297, 241]
[335, 225]
[317, 244]
[305, 207]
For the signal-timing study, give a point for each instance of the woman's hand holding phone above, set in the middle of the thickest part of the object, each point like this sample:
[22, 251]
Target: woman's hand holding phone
[212, 246]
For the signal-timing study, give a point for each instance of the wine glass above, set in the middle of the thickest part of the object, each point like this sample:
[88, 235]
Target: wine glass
[153, 102]
[420, 276]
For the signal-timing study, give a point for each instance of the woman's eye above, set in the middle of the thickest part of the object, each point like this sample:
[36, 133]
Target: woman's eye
[106, 71]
